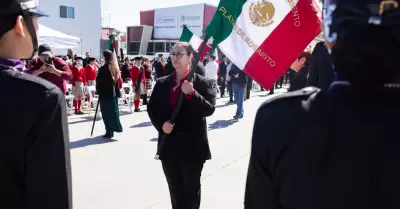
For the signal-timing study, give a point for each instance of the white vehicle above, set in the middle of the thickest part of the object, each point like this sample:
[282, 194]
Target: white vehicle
[166, 55]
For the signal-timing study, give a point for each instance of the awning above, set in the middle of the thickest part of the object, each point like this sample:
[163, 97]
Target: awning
[57, 39]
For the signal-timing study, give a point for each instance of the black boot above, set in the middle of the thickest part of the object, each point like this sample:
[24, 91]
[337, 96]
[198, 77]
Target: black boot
[109, 135]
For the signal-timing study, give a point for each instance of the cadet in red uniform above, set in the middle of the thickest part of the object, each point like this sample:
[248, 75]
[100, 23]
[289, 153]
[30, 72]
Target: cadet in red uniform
[91, 72]
[138, 81]
[78, 84]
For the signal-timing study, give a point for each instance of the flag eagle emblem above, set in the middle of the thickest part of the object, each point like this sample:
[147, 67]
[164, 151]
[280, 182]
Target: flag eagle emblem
[262, 13]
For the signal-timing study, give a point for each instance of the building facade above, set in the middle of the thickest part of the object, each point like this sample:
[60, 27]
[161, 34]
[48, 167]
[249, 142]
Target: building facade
[161, 28]
[77, 18]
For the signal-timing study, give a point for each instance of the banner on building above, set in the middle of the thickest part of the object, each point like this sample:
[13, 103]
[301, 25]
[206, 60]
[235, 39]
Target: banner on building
[168, 22]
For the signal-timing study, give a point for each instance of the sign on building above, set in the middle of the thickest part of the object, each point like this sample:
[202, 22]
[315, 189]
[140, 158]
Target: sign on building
[168, 21]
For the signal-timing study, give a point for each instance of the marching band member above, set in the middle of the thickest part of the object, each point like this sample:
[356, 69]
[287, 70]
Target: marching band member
[147, 71]
[138, 82]
[78, 84]
[90, 74]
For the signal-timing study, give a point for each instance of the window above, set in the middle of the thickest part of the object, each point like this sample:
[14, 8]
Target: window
[67, 12]
[159, 47]
[133, 47]
[150, 47]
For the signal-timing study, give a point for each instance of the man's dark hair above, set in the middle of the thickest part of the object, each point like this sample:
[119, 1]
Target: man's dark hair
[306, 55]
[213, 57]
[367, 55]
[7, 23]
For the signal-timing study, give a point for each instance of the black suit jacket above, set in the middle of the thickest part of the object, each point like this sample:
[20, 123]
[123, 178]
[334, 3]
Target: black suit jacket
[189, 138]
[299, 79]
[161, 72]
[321, 69]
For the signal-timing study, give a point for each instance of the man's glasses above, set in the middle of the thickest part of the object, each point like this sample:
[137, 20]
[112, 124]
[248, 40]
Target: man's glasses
[177, 55]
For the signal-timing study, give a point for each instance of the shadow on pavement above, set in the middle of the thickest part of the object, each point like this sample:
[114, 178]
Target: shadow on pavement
[142, 125]
[90, 118]
[85, 119]
[89, 142]
[154, 140]
[224, 105]
[221, 124]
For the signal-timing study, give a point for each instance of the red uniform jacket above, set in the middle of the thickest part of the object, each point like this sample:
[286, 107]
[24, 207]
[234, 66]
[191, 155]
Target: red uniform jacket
[90, 73]
[78, 75]
[135, 75]
[59, 64]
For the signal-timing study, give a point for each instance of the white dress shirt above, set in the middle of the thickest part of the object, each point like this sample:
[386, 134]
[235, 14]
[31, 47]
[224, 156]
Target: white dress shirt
[212, 70]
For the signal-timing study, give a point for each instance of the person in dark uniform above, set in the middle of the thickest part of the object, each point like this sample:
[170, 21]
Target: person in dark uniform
[249, 86]
[35, 167]
[336, 148]
[162, 69]
[126, 70]
[222, 75]
[108, 90]
[186, 148]
[300, 67]
[321, 69]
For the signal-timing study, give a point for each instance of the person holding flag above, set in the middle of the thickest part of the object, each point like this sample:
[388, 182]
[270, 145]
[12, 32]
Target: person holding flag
[186, 146]
[339, 147]
[108, 91]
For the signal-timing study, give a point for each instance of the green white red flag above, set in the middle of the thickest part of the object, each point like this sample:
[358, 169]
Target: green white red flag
[264, 37]
[195, 41]
[112, 46]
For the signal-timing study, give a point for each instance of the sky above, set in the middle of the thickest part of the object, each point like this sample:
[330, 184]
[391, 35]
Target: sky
[122, 13]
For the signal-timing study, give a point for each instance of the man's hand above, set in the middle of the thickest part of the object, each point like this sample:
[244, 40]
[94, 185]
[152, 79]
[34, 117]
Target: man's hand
[54, 70]
[168, 127]
[51, 69]
[39, 71]
[187, 87]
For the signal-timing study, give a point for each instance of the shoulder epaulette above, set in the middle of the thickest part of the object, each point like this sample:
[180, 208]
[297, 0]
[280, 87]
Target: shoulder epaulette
[306, 92]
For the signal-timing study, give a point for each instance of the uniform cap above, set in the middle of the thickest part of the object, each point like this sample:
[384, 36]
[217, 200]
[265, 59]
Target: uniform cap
[339, 13]
[78, 58]
[8, 7]
[138, 58]
[44, 49]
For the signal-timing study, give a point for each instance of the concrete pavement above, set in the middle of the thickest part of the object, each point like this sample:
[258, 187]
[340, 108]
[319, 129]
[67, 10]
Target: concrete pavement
[122, 174]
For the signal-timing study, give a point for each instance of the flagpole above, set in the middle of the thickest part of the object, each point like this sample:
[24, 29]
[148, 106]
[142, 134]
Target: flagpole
[181, 97]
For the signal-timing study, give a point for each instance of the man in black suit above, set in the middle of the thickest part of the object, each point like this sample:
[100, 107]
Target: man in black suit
[222, 75]
[321, 72]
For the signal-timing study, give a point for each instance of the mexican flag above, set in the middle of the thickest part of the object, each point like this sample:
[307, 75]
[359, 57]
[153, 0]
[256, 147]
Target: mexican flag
[264, 37]
[112, 46]
[195, 41]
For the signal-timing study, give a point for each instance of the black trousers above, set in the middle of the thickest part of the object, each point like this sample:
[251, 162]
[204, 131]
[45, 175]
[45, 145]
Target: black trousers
[248, 88]
[222, 87]
[279, 83]
[230, 91]
[183, 177]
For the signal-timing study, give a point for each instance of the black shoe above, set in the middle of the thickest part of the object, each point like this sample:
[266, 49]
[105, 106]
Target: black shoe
[79, 112]
[138, 110]
[108, 135]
